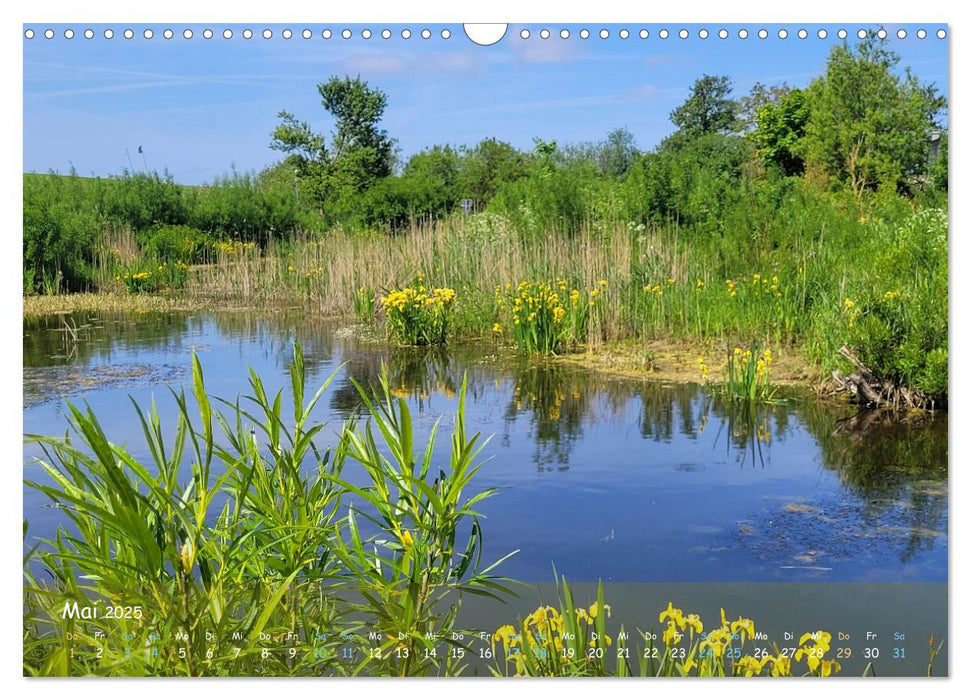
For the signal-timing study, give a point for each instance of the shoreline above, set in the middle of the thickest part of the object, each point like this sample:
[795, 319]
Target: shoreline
[662, 360]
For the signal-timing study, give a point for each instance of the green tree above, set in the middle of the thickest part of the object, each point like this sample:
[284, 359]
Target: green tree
[485, 167]
[759, 96]
[708, 110]
[358, 109]
[616, 153]
[781, 126]
[360, 152]
[869, 127]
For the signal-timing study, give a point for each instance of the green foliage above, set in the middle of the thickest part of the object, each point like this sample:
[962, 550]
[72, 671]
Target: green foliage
[411, 571]
[488, 166]
[869, 127]
[141, 201]
[693, 184]
[234, 526]
[360, 153]
[708, 110]
[60, 235]
[780, 127]
[616, 153]
[900, 331]
[177, 243]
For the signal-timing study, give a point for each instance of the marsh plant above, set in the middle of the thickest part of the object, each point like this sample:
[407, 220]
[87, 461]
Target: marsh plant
[242, 529]
[570, 640]
[745, 376]
[543, 318]
[417, 315]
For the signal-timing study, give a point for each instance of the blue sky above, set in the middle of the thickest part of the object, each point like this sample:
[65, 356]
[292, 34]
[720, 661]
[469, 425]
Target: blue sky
[199, 107]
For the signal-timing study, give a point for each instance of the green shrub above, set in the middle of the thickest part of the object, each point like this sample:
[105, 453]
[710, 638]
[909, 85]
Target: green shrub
[176, 243]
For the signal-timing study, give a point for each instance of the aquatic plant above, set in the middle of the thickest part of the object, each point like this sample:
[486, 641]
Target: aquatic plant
[364, 304]
[234, 530]
[417, 315]
[745, 374]
[542, 318]
[567, 640]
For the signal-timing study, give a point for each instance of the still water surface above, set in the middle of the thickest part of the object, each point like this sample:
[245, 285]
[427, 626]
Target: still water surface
[605, 478]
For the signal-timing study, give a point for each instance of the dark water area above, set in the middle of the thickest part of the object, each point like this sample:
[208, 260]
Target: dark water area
[602, 477]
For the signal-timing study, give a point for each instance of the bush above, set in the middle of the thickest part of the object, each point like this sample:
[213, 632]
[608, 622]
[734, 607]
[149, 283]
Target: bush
[60, 234]
[168, 243]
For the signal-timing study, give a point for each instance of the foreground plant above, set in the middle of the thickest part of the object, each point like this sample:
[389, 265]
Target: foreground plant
[745, 375]
[228, 544]
[567, 640]
[413, 569]
[181, 557]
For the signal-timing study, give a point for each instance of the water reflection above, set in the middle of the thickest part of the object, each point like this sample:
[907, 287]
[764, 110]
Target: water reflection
[688, 486]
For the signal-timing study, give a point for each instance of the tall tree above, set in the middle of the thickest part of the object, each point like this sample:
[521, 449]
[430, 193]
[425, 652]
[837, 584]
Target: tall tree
[616, 153]
[870, 127]
[360, 152]
[708, 110]
[781, 126]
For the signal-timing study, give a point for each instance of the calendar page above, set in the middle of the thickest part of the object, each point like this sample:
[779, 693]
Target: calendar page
[444, 350]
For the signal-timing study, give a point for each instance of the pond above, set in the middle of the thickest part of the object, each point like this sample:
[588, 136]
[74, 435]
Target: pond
[602, 477]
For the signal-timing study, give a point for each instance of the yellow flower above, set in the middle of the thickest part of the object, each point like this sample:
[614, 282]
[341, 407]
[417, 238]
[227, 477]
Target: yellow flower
[496, 328]
[829, 667]
[750, 666]
[744, 625]
[694, 622]
[594, 609]
[848, 304]
[781, 666]
[506, 633]
[603, 283]
[671, 634]
[674, 614]
[891, 295]
[406, 539]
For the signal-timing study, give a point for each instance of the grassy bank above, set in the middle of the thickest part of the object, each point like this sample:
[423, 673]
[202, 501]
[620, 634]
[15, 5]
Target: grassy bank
[828, 272]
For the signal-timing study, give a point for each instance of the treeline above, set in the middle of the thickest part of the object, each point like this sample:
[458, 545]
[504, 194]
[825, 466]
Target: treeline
[861, 128]
[67, 218]
[731, 165]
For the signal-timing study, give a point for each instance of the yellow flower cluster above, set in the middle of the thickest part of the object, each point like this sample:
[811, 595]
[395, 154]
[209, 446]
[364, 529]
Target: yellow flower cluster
[418, 316]
[852, 311]
[541, 315]
[813, 646]
[403, 299]
[714, 652]
[233, 248]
